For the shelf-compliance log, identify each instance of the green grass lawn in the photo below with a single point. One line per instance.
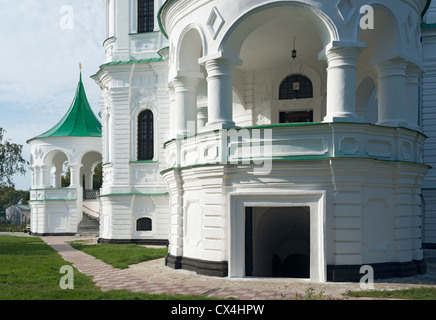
(120, 255)
(423, 293)
(30, 270)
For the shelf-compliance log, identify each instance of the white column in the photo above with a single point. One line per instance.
(88, 179)
(201, 116)
(55, 179)
(220, 92)
(392, 92)
(185, 100)
(44, 177)
(412, 109)
(170, 90)
(75, 175)
(32, 177)
(341, 83)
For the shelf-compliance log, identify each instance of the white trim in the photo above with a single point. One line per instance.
(315, 199)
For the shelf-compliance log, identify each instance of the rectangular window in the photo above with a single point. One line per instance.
(145, 135)
(145, 16)
(296, 116)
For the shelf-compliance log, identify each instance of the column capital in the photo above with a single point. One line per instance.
(341, 52)
(414, 72)
(220, 56)
(391, 67)
(186, 81)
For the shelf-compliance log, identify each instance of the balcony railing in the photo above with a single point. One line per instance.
(296, 141)
(90, 194)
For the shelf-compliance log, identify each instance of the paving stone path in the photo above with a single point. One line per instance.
(109, 278)
(154, 278)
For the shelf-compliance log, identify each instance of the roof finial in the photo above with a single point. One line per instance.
(80, 66)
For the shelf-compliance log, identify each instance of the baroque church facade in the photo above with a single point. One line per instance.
(257, 138)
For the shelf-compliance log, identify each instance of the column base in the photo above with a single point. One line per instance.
(218, 126)
(393, 123)
(343, 118)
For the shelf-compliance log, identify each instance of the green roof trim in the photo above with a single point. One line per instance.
(132, 61)
(427, 5)
(79, 121)
(159, 19)
(115, 63)
(427, 25)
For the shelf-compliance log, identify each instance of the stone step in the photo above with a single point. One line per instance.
(88, 226)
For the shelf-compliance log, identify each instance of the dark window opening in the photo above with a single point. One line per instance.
(143, 224)
(145, 135)
(296, 87)
(296, 116)
(145, 16)
(277, 242)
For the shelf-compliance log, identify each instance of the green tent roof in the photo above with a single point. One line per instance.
(79, 121)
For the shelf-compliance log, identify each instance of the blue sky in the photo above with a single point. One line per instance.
(41, 45)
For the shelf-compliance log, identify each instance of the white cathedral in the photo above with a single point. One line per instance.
(261, 138)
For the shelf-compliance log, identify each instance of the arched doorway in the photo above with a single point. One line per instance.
(90, 161)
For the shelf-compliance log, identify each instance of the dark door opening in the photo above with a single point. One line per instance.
(277, 242)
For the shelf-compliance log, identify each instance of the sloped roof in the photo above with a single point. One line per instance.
(79, 121)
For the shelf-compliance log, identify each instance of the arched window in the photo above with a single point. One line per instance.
(145, 16)
(143, 224)
(145, 135)
(296, 86)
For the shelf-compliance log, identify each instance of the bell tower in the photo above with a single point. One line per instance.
(134, 101)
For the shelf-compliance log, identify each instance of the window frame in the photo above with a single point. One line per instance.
(145, 153)
(149, 222)
(304, 91)
(146, 17)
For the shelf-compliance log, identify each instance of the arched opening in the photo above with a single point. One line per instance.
(189, 83)
(366, 101)
(191, 49)
(382, 44)
(55, 161)
(296, 86)
(91, 174)
(265, 57)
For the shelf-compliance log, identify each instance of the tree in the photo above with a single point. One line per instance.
(97, 179)
(10, 196)
(11, 161)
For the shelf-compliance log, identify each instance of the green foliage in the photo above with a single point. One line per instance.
(121, 255)
(10, 196)
(11, 160)
(11, 227)
(309, 294)
(421, 293)
(97, 179)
